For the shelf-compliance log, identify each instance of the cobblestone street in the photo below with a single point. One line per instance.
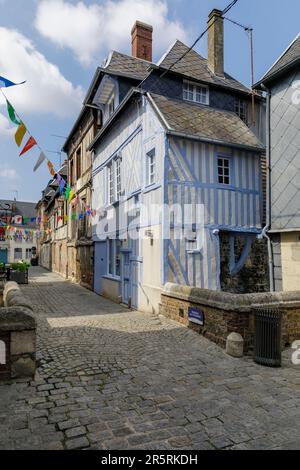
(109, 378)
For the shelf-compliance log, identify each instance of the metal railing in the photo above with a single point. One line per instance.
(267, 336)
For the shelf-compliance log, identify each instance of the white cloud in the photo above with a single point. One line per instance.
(46, 90)
(5, 127)
(90, 30)
(8, 173)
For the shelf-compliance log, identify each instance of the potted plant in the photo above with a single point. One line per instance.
(19, 272)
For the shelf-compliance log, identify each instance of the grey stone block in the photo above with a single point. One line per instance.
(235, 345)
(23, 342)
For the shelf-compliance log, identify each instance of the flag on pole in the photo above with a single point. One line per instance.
(40, 160)
(12, 114)
(30, 143)
(19, 136)
(5, 83)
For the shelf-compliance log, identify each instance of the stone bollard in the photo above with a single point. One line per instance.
(235, 345)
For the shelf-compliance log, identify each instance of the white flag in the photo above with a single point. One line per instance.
(40, 160)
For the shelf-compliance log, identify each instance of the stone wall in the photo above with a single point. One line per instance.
(226, 313)
(254, 276)
(17, 335)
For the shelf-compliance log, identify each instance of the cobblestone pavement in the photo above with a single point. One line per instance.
(109, 378)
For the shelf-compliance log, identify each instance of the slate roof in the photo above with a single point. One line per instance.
(128, 66)
(25, 209)
(204, 122)
(194, 66)
(290, 57)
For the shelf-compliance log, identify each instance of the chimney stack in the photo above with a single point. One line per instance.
(141, 39)
(216, 42)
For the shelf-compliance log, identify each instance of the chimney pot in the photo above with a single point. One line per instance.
(141, 40)
(216, 42)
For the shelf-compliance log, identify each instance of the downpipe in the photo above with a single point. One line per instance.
(264, 233)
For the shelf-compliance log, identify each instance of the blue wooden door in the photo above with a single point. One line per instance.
(100, 265)
(134, 265)
(126, 278)
(3, 256)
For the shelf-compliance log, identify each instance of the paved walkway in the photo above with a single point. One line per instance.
(110, 378)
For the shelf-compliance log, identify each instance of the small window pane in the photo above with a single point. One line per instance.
(224, 171)
(151, 167)
(195, 93)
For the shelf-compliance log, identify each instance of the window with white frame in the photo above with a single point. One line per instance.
(224, 170)
(114, 258)
(151, 167)
(110, 177)
(114, 181)
(240, 108)
(28, 253)
(118, 178)
(196, 93)
(18, 253)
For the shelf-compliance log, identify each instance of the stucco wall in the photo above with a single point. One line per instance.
(290, 258)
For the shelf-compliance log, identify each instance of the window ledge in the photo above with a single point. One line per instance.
(112, 278)
(151, 187)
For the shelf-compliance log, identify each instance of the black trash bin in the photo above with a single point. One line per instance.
(267, 336)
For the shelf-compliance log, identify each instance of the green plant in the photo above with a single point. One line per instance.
(2, 266)
(21, 266)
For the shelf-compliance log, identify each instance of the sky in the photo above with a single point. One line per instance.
(56, 45)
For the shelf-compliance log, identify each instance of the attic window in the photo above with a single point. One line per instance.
(196, 93)
(240, 108)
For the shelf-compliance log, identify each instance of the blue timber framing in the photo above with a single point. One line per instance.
(191, 176)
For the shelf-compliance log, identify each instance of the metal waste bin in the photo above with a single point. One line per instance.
(267, 336)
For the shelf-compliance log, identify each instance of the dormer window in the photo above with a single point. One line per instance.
(111, 105)
(195, 93)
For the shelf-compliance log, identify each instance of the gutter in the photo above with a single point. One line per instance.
(266, 229)
(215, 141)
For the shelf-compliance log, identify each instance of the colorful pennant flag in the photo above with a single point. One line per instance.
(67, 193)
(5, 83)
(21, 131)
(62, 186)
(71, 195)
(40, 160)
(12, 114)
(51, 168)
(30, 143)
(73, 215)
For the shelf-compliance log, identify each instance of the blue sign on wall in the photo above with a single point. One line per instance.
(196, 316)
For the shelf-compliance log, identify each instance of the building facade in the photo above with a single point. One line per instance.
(52, 215)
(18, 242)
(281, 83)
(80, 250)
(187, 139)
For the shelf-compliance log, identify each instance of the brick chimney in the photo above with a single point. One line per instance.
(141, 39)
(216, 42)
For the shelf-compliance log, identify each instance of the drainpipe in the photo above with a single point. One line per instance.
(268, 208)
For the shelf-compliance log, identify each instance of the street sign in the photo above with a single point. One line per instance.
(196, 316)
(4, 356)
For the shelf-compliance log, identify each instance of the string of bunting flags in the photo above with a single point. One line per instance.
(30, 143)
